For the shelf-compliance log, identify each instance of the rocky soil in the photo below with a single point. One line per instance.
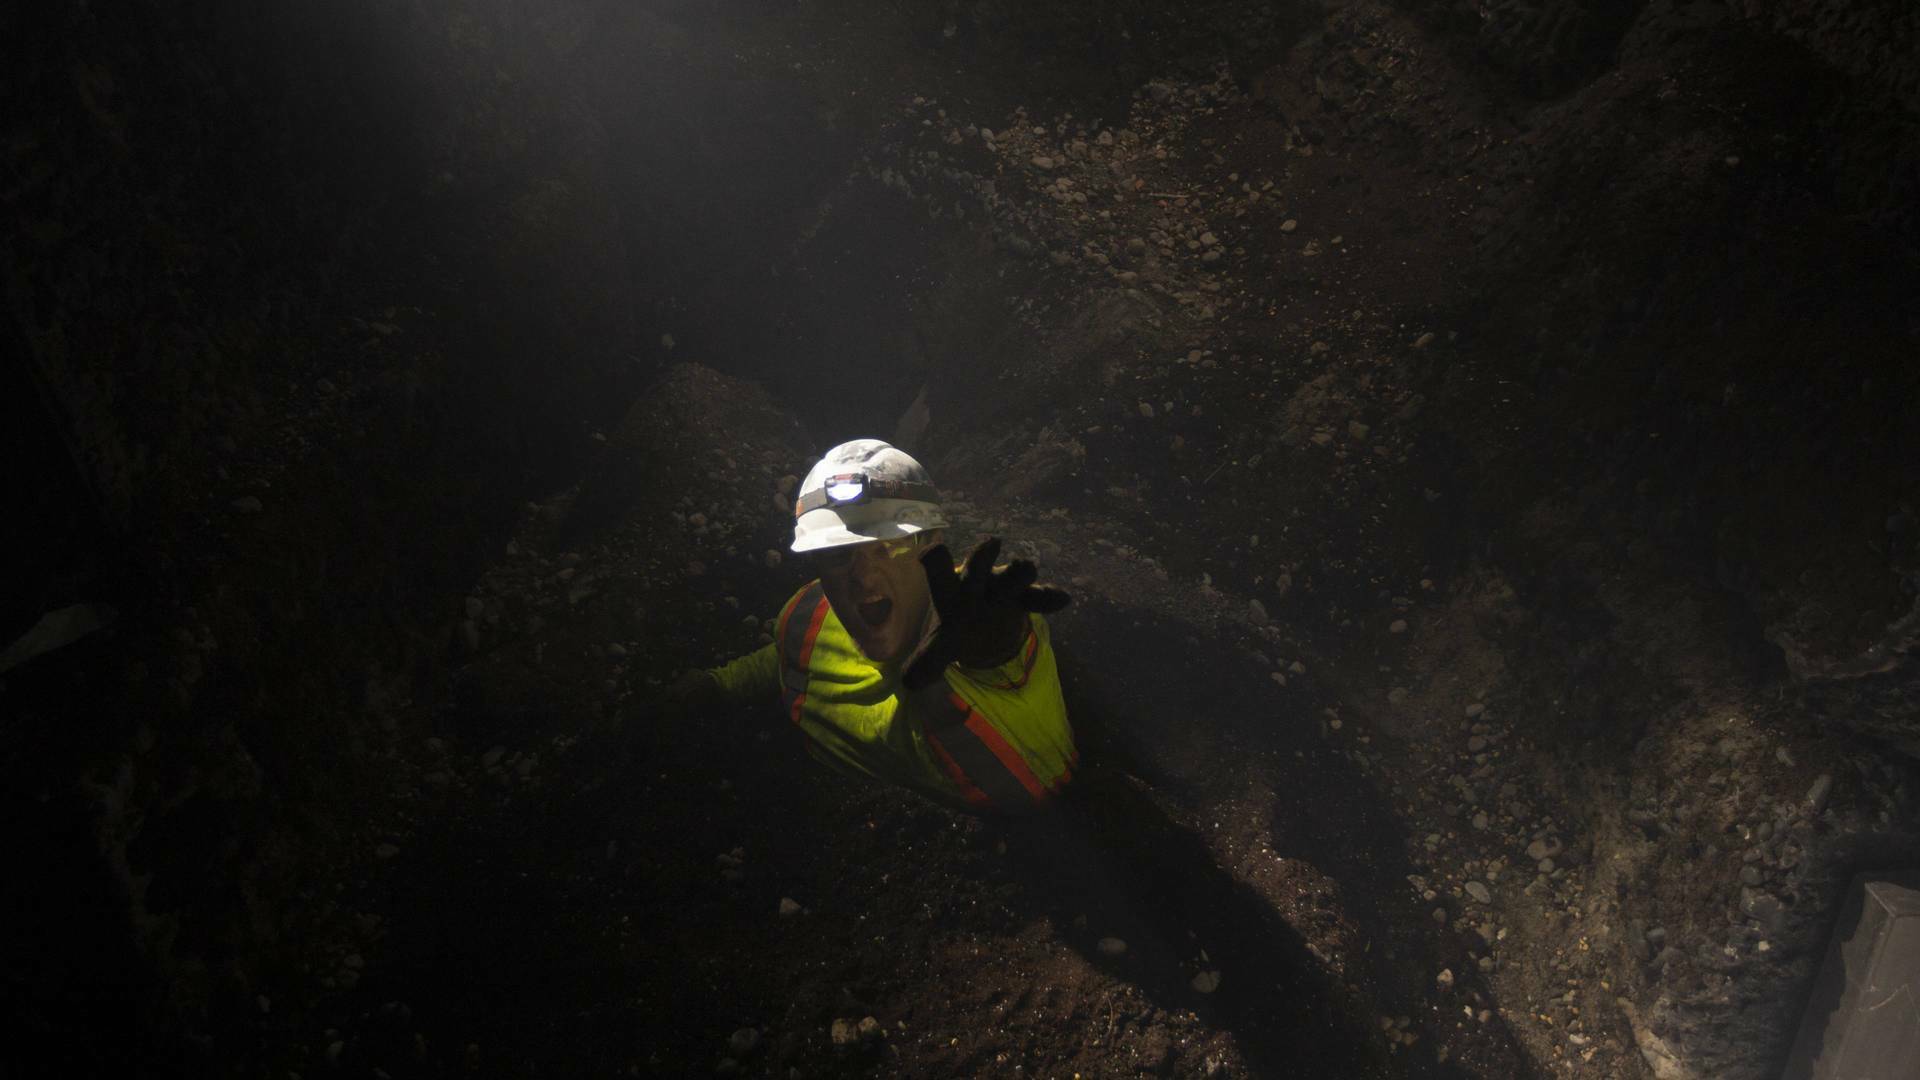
(1475, 436)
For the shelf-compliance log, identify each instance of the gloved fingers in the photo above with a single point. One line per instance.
(980, 567)
(1008, 580)
(941, 582)
(1044, 599)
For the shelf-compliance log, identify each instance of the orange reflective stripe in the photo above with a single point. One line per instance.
(976, 757)
(806, 652)
(976, 772)
(973, 795)
(796, 644)
(1010, 758)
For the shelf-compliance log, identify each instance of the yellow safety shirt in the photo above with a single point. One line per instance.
(984, 739)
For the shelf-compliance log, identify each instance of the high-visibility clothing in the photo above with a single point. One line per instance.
(990, 740)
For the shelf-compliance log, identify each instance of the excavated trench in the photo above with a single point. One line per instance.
(1477, 439)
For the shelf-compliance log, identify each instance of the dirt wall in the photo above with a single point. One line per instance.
(304, 297)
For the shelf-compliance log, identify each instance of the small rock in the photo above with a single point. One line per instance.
(1750, 875)
(743, 1042)
(1474, 711)
(1042, 162)
(771, 557)
(247, 504)
(1289, 225)
(1657, 936)
(1480, 820)
(1257, 612)
(1397, 695)
(1479, 892)
(869, 1029)
(1112, 946)
(1819, 793)
(844, 1032)
(789, 906)
(492, 757)
(1423, 340)
(1544, 848)
(1762, 908)
(1207, 981)
(1357, 430)
(1444, 980)
(1440, 915)
(1146, 410)
(1397, 626)
(1476, 744)
(385, 851)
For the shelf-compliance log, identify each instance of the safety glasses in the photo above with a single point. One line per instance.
(839, 560)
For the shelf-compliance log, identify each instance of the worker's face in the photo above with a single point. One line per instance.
(879, 592)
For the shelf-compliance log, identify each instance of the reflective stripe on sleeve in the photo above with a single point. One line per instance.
(799, 629)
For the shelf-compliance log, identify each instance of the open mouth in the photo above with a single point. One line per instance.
(875, 612)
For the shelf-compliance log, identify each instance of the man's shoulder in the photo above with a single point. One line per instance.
(804, 601)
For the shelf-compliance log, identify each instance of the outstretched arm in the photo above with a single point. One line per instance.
(753, 677)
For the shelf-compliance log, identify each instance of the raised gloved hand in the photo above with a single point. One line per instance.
(983, 611)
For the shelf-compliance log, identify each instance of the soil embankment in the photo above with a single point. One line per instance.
(1477, 440)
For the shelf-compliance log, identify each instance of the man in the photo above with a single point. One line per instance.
(897, 668)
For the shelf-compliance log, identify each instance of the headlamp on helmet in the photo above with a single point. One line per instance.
(846, 489)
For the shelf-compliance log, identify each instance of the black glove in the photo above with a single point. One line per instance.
(983, 611)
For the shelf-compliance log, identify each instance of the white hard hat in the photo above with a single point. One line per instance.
(861, 491)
